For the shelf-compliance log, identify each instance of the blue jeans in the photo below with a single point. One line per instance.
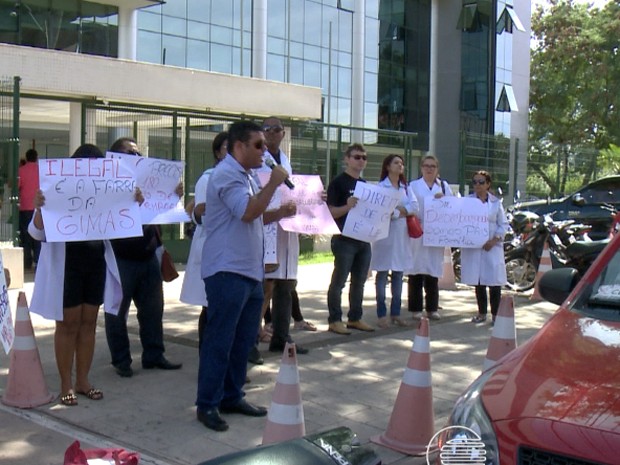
(350, 257)
(141, 282)
(235, 303)
(397, 288)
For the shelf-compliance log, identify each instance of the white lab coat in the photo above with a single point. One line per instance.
(394, 252)
(47, 296)
(287, 248)
(193, 287)
(487, 268)
(426, 260)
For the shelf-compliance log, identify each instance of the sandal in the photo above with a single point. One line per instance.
(264, 336)
(383, 322)
(479, 319)
(304, 325)
(69, 399)
(399, 321)
(92, 394)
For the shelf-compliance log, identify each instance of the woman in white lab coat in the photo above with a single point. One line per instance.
(486, 266)
(393, 252)
(426, 266)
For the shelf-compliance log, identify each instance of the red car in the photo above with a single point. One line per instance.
(555, 399)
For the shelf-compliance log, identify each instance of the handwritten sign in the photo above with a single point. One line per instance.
(369, 220)
(313, 216)
(88, 199)
(270, 231)
(157, 179)
(7, 330)
(455, 222)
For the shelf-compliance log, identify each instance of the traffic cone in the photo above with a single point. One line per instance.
(447, 282)
(504, 335)
(285, 419)
(26, 387)
(544, 266)
(411, 426)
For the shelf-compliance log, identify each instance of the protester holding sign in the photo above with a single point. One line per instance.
(482, 267)
(141, 282)
(393, 252)
(427, 262)
(351, 256)
(72, 280)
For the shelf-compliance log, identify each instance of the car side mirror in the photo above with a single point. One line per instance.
(579, 200)
(555, 285)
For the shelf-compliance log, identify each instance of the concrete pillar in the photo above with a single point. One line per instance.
(75, 126)
(432, 125)
(259, 39)
(127, 33)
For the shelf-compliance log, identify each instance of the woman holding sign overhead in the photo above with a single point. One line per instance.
(486, 266)
(72, 280)
(427, 262)
(392, 253)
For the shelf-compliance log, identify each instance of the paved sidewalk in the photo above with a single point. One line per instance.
(345, 381)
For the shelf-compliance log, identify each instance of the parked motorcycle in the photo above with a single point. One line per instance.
(565, 249)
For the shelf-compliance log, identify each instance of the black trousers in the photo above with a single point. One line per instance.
(495, 295)
(430, 284)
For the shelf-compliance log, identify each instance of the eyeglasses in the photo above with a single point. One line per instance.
(480, 182)
(430, 167)
(259, 145)
(359, 157)
(276, 128)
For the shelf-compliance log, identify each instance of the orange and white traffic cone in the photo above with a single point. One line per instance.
(285, 419)
(447, 282)
(544, 266)
(504, 335)
(411, 426)
(26, 387)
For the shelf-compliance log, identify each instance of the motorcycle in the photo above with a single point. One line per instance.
(565, 249)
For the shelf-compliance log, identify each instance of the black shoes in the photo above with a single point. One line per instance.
(162, 364)
(211, 419)
(245, 408)
(255, 357)
(275, 347)
(124, 371)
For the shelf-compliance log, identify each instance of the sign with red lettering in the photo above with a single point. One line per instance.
(88, 199)
(369, 220)
(455, 222)
(157, 179)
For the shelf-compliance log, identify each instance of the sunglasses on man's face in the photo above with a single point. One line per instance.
(480, 182)
(275, 128)
(359, 157)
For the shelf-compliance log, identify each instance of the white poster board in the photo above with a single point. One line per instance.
(157, 179)
(313, 216)
(369, 220)
(270, 231)
(7, 330)
(88, 199)
(455, 222)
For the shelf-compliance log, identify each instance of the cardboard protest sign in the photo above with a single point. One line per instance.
(7, 329)
(369, 220)
(455, 222)
(157, 179)
(313, 216)
(88, 199)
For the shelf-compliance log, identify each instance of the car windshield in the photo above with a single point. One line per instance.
(602, 298)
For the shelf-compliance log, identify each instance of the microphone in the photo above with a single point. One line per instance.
(272, 164)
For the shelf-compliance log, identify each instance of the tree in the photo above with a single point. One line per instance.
(574, 91)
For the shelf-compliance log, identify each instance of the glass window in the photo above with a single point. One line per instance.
(221, 35)
(149, 21)
(297, 20)
(275, 45)
(174, 26)
(175, 8)
(371, 83)
(196, 30)
(371, 46)
(174, 49)
(276, 18)
(222, 12)
(312, 30)
(275, 67)
(199, 10)
(221, 58)
(297, 49)
(312, 53)
(197, 54)
(297, 71)
(149, 47)
(312, 73)
(344, 82)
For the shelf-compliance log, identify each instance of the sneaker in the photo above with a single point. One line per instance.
(416, 315)
(338, 327)
(359, 324)
(433, 315)
(383, 322)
